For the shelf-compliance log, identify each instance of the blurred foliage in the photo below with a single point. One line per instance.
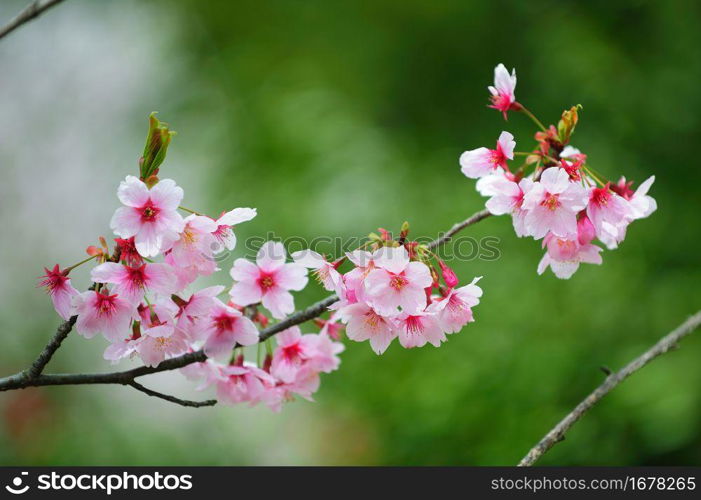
(334, 118)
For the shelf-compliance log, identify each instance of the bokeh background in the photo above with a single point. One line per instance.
(334, 118)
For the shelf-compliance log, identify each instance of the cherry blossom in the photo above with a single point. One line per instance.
(58, 286)
(269, 280)
(224, 327)
(553, 203)
(640, 203)
(131, 283)
(128, 252)
(191, 311)
(607, 212)
(305, 384)
(194, 249)
(397, 282)
(364, 323)
(149, 215)
(102, 312)
(454, 310)
(563, 256)
(120, 349)
(483, 161)
(245, 383)
(224, 233)
(503, 96)
(418, 328)
(324, 270)
(506, 197)
(293, 351)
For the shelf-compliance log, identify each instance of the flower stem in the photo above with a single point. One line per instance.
(590, 172)
(533, 117)
(81, 263)
(185, 209)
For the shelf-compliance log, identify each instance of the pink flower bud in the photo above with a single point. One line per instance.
(585, 230)
(449, 276)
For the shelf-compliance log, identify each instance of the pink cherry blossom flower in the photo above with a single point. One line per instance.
(417, 328)
(207, 372)
(585, 229)
(305, 384)
(607, 211)
(123, 348)
(224, 327)
(224, 233)
(150, 215)
(324, 270)
(553, 203)
(454, 310)
(563, 256)
(131, 283)
(292, 352)
(483, 161)
(353, 287)
(506, 197)
(641, 204)
(571, 153)
(154, 348)
(194, 249)
(268, 280)
(503, 96)
(397, 283)
(364, 323)
(331, 327)
(128, 252)
(58, 286)
(102, 312)
(325, 353)
(243, 384)
(158, 319)
(193, 310)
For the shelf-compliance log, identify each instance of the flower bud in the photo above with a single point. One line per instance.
(404, 232)
(385, 235)
(157, 142)
(585, 230)
(567, 123)
(449, 276)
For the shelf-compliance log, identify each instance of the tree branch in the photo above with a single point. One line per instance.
(47, 353)
(172, 399)
(557, 434)
(33, 377)
(30, 12)
(457, 227)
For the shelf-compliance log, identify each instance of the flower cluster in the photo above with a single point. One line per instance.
(562, 201)
(149, 309)
(145, 302)
(388, 294)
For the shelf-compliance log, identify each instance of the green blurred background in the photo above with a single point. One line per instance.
(334, 118)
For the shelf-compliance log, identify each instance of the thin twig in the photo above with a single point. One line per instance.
(445, 237)
(557, 434)
(30, 12)
(47, 353)
(172, 399)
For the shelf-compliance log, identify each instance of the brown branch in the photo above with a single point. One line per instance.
(459, 226)
(557, 434)
(47, 353)
(30, 12)
(33, 377)
(172, 399)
